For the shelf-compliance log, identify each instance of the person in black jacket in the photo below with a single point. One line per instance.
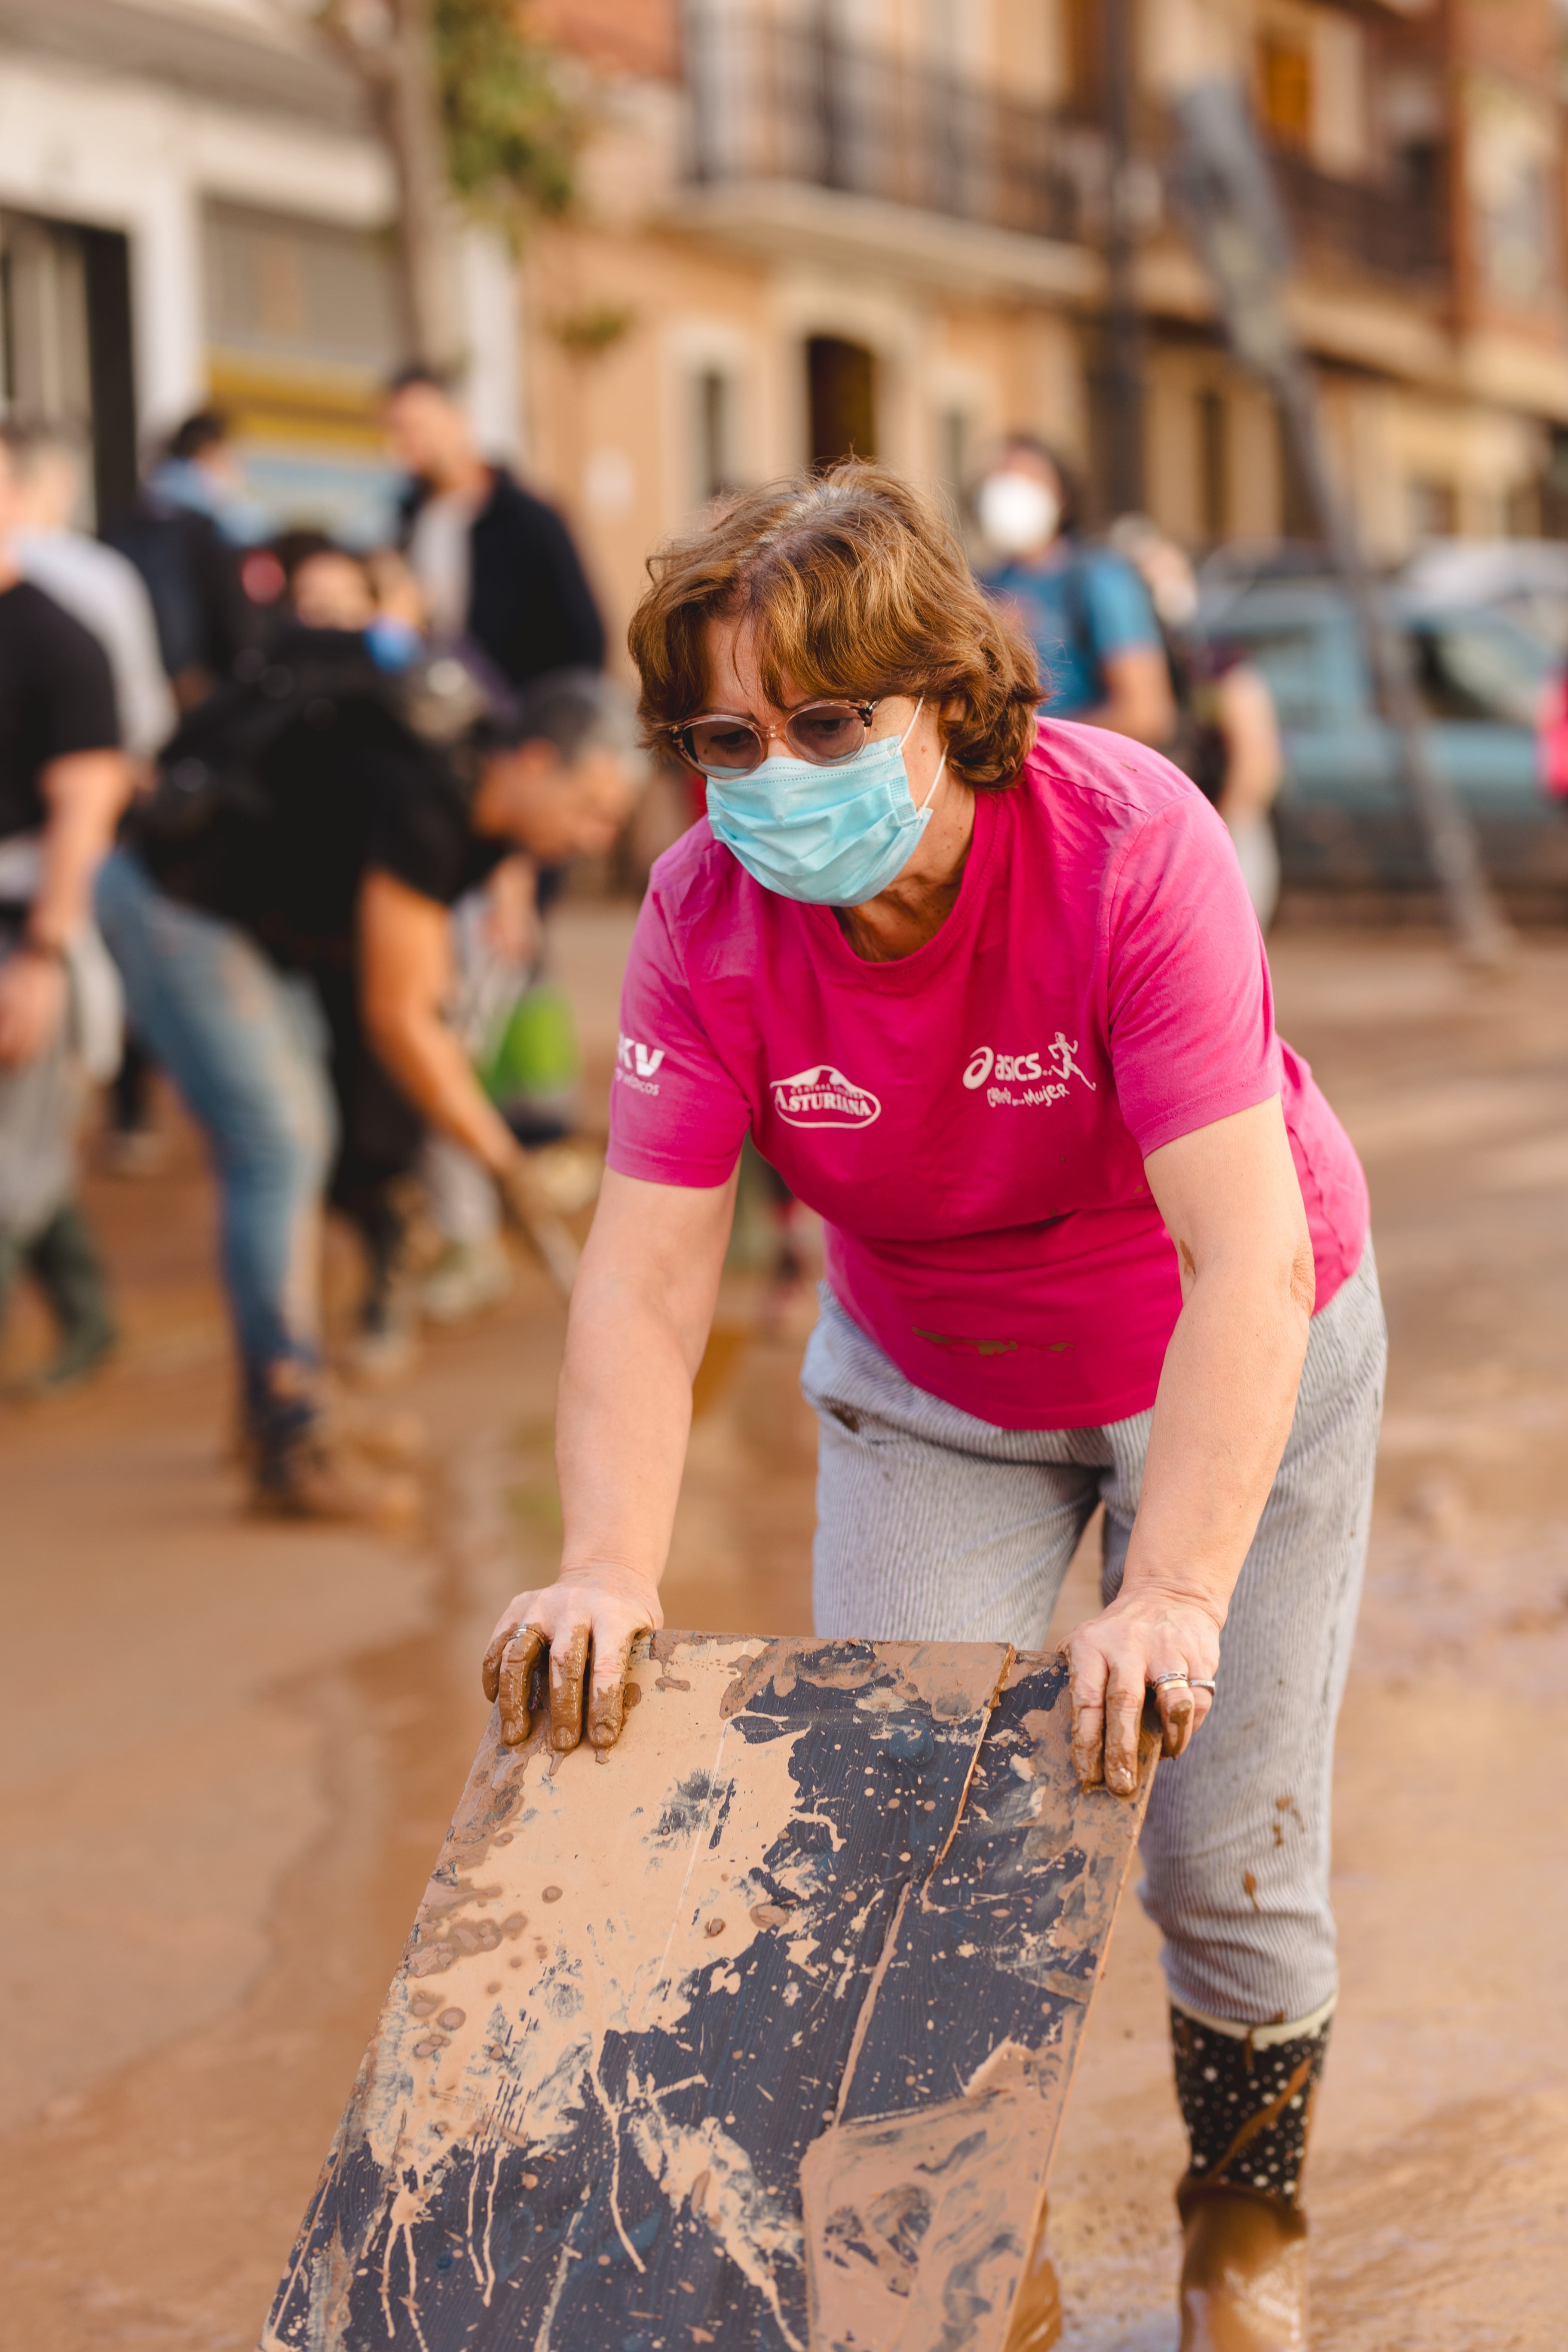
(494, 563)
(185, 535)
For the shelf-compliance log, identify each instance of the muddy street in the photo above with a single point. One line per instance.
(229, 1749)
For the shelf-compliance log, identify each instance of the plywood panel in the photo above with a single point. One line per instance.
(755, 2031)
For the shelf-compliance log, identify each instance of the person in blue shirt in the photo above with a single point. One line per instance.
(1084, 606)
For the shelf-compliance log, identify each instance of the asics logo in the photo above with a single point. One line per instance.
(1052, 1065)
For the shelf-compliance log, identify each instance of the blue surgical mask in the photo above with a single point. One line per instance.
(831, 836)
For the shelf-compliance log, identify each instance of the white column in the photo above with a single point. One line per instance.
(491, 334)
(167, 301)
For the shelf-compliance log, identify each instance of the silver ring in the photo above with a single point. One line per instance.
(1196, 1682)
(1180, 1675)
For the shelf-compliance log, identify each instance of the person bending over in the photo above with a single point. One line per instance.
(336, 839)
(989, 994)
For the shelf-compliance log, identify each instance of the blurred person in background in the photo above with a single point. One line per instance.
(495, 949)
(517, 1027)
(190, 533)
(1226, 735)
(332, 591)
(63, 784)
(186, 535)
(309, 836)
(100, 585)
(1082, 606)
(496, 568)
(109, 596)
(493, 562)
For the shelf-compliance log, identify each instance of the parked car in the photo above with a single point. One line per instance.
(1489, 683)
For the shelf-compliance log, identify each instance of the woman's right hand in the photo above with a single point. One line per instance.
(587, 1619)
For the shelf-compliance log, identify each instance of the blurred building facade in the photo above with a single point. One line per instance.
(818, 223)
(807, 225)
(192, 209)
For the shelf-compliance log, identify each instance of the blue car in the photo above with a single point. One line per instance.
(1486, 680)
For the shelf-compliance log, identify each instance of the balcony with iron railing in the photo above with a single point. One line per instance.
(1395, 228)
(797, 104)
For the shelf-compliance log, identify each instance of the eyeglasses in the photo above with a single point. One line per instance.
(720, 744)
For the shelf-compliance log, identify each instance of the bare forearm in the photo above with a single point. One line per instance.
(1221, 1415)
(1253, 761)
(1137, 700)
(84, 800)
(1144, 719)
(622, 1425)
(641, 1308)
(430, 1066)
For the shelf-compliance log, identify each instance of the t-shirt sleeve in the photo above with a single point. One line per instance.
(1191, 1009)
(418, 829)
(1120, 616)
(77, 686)
(677, 1114)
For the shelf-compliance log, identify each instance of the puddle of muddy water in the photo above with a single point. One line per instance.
(154, 2207)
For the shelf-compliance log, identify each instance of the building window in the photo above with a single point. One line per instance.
(1434, 508)
(715, 433)
(65, 342)
(298, 289)
(953, 459)
(1298, 516)
(841, 392)
(1213, 463)
(1510, 167)
(1285, 88)
(1083, 56)
(301, 331)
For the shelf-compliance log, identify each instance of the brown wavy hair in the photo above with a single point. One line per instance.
(854, 583)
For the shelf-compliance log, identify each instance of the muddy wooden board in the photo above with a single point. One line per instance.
(755, 2032)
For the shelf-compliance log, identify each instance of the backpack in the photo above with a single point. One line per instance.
(202, 832)
(1198, 745)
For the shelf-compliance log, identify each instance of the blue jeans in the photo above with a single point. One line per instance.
(247, 1048)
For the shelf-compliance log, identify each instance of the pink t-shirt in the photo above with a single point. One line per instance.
(972, 1121)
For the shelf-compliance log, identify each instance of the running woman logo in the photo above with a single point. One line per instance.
(824, 1097)
(1044, 1076)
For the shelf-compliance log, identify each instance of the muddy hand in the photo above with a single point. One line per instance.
(1113, 1660)
(588, 1620)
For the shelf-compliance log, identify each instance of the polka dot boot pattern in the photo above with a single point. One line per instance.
(1247, 2109)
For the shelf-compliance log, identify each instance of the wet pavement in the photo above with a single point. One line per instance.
(227, 1749)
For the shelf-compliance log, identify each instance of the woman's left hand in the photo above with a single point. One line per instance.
(1114, 1658)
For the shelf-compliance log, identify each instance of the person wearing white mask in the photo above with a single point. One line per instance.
(1083, 607)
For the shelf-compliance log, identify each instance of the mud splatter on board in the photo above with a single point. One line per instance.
(753, 2030)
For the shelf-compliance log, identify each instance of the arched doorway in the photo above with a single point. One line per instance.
(841, 390)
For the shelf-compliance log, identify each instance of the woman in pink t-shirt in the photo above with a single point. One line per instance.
(988, 992)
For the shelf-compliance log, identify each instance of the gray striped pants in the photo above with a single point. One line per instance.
(933, 1526)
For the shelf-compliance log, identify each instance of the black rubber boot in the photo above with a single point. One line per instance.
(1247, 2107)
(63, 1260)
